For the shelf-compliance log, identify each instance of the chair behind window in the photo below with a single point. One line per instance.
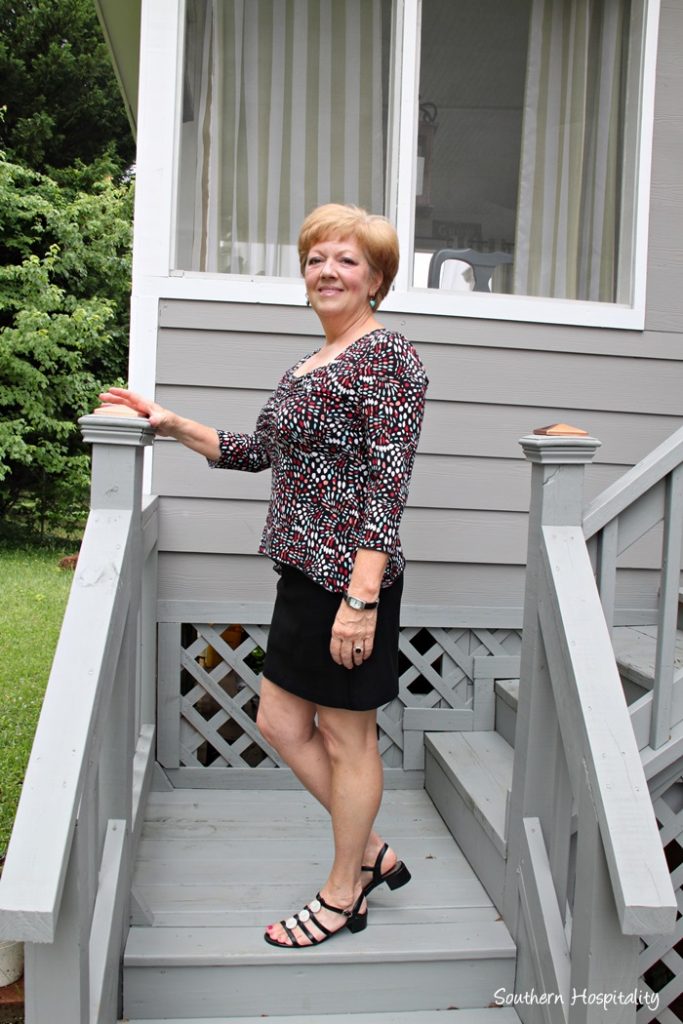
(483, 265)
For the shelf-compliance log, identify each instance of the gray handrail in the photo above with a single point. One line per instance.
(633, 484)
(33, 877)
(596, 730)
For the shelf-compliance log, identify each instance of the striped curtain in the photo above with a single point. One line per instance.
(569, 215)
(290, 116)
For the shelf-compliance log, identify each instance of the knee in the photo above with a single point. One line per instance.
(282, 730)
(343, 743)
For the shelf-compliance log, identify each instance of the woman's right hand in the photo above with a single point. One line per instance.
(120, 400)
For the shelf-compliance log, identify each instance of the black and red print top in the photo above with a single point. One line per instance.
(341, 442)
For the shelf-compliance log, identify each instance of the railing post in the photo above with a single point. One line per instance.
(117, 465)
(117, 455)
(559, 455)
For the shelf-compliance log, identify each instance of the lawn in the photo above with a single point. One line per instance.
(34, 591)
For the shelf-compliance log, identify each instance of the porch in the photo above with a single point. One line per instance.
(530, 790)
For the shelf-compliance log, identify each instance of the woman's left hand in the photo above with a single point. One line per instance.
(353, 635)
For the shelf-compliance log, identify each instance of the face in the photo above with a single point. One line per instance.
(339, 280)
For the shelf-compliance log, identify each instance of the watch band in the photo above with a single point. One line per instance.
(360, 606)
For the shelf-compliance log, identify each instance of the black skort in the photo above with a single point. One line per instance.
(298, 658)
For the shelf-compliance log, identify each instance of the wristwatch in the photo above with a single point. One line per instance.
(360, 606)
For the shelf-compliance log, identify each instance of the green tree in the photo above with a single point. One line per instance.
(56, 81)
(64, 286)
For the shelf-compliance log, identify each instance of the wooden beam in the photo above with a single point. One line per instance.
(549, 949)
(107, 921)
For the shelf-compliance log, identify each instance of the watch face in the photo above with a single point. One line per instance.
(355, 603)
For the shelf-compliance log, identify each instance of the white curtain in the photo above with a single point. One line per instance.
(571, 188)
(288, 115)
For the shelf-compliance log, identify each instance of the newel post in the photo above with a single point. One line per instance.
(117, 456)
(118, 443)
(558, 456)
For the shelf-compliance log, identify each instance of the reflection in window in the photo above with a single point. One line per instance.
(528, 143)
(284, 108)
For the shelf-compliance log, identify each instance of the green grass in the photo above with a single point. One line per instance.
(34, 595)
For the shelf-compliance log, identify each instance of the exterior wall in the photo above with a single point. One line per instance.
(465, 529)
(491, 382)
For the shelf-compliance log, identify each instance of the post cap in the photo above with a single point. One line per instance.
(561, 430)
(116, 430)
(561, 444)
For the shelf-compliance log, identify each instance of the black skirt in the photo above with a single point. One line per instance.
(298, 657)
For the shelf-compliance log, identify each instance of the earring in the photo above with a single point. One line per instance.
(308, 301)
(373, 302)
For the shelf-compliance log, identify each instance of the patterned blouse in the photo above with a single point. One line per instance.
(341, 442)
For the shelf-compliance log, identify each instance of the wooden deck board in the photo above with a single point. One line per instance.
(215, 867)
(480, 766)
(234, 858)
(635, 648)
(494, 1015)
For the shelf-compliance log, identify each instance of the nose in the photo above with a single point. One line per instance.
(328, 268)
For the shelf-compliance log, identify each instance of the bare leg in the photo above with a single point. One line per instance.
(339, 763)
(356, 792)
(288, 723)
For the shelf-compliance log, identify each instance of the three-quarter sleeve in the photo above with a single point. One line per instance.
(248, 452)
(393, 386)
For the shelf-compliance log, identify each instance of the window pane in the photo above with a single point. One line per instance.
(284, 108)
(526, 153)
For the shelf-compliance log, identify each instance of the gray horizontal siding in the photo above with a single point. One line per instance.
(439, 481)
(470, 489)
(248, 321)
(457, 372)
(451, 428)
(428, 534)
(197, 587)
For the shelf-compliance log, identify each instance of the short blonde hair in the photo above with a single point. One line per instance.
(374, 234)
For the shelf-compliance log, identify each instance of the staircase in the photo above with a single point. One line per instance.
(557, 842)
(468, 775)
(214, 867)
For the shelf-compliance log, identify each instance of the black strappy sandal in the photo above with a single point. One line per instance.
(355, 922)
(395, 878)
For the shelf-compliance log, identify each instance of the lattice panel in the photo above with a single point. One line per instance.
(661, 959)
(219, 687)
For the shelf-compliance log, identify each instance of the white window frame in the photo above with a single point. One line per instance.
(402, 134)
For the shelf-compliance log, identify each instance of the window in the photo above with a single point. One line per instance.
(504, 139)
(284, 109)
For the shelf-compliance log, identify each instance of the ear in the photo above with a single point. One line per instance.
(375, 282)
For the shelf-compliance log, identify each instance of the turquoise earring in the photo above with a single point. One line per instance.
(373, 302)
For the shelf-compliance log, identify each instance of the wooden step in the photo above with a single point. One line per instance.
(635, 650)
(214, 867)
(494, 1015)
(468, 776)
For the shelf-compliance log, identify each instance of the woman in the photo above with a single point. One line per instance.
(340, 434)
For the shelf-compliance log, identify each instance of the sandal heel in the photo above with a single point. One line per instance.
(398, 878)
(357, 922)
